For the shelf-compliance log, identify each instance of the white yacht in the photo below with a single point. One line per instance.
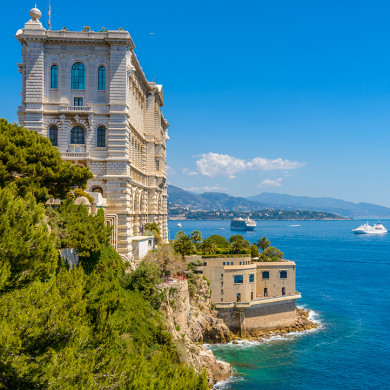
(179, 224)
(242, 224)
(368, 229)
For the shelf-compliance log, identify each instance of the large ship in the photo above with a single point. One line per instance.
(367, 229)
(242, 224)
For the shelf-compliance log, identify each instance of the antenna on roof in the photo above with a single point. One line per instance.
(49, 13)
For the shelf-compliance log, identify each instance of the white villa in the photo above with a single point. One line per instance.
(87, 92)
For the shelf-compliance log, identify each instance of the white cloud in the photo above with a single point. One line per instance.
(265, 164)
(170, 171)
(215, 188)
(186, 171)
(214, 164)
(271, 183)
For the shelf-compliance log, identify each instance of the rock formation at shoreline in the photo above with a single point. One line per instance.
(192, 322)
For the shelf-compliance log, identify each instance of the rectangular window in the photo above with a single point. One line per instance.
(54, 77)
(157, 165)
(221, 299)
(251, 295)
(224, 263)
(265, 274)
(222, 292)
(251, 278)
(78, 101)
(283, 274)
(266, 292)
(238, 279)
(231, 263)
(238, 297)
(221, 275)
(240, 262)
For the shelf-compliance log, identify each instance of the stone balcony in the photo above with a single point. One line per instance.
(75, 109)
(75, 155)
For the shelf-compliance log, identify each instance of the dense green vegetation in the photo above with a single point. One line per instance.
(91, 327)
(218, 246)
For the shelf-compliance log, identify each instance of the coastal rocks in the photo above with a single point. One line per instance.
(195, 322)
(303, 323)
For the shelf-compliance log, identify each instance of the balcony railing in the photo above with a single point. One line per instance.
(75, 155)
(76, 108)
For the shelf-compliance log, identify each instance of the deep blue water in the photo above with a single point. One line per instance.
(345, 279)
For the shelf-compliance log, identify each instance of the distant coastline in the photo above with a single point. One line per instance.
(176, 212)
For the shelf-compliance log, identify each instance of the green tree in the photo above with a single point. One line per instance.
(29, 160)
(220, 241)
(208, 246)
(254, 251)
(273, 253)
(183, 244)
(169, 262)
(154, 230)
(263, 243)
(238, 243)
(27, 248)
(196, 236)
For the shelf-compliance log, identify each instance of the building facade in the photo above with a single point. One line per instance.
(251, 295)
(87, 92)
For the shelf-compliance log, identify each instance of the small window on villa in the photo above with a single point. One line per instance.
(157, 165)
(78, 101)
(221, 299)
(221, 275)
(251, 295)
(231, 263)
(240, 262)
(54, 77)
(266, 292)
(77, 135)
(224, 263)
(283, 290)
(222, 292)
(102, 78)
(238, 279)
(283, 274)
(222, 283)
(205, 263)
(53, 135)
(265, 274)
(251, 278)
(238, 297)
(101, 137)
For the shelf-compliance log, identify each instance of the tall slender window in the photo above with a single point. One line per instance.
(53, 135)
(54, 77)
(102, 78)
(78, 76)
(78, 101)
(77, 135)
(101, 137)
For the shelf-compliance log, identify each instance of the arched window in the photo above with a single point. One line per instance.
(97, 189)
(78, 76)
(77, 135)
(54, 77)
(102, 78)
(53, 135)
(101, 137)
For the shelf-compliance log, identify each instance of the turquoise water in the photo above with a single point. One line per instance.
(345, 279)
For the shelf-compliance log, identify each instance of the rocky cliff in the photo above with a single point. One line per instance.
(192, 322)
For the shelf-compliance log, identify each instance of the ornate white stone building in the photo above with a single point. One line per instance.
(87, 92)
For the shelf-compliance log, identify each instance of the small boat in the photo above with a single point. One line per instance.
(242, 224)
(179, 224)
(368, 229)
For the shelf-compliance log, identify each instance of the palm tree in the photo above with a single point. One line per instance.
(263, 243)
(196, 236)
(209, 246)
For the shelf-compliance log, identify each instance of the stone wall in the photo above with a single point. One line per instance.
(263, 316)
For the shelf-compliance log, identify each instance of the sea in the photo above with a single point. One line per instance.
(344, 279)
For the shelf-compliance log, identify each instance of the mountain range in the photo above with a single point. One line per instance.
(267, 200)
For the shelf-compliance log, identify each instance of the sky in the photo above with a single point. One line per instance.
(286, 96)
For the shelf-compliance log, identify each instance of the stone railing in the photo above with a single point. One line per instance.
(75, 155)
(76, 108)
